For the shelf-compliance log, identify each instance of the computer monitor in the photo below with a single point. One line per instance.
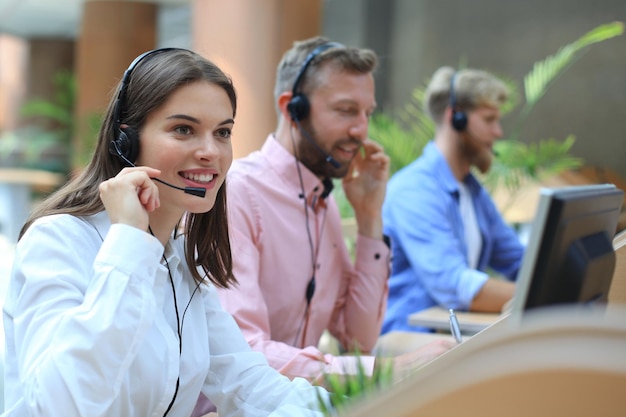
(570, 257)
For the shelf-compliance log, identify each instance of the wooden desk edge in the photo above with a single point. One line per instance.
(438, 318)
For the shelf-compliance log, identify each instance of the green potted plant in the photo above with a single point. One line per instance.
(45, 143)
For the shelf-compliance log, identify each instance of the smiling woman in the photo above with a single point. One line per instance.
(102, 260)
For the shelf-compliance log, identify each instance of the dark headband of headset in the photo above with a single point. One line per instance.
(121, 95)
(310, 57)
(459, 117)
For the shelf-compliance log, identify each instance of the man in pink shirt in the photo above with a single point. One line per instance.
(296, 277)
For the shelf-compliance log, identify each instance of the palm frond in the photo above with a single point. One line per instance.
(544, 72)
(518, 162)
(514, 96)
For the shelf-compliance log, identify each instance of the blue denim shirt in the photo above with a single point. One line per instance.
(429, 255)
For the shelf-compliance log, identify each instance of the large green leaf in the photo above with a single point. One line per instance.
(518, 161)
(544, 72)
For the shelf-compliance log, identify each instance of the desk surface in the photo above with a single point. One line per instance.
(561, 356)
(398, 342)
(439, 319)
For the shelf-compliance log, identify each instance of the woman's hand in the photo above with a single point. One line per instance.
(130, 196)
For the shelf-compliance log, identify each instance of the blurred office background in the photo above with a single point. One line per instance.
(94, 41)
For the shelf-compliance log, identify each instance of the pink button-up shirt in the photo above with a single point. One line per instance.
(273, 264)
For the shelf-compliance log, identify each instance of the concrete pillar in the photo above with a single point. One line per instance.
(13, 70)
(112, 34)
(247, 38)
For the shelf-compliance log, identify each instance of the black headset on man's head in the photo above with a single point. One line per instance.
(459, 117)
(299, 105)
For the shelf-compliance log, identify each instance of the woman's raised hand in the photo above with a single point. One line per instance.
(130, 196)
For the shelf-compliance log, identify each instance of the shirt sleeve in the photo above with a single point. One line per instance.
(72, 302)
(360, 310)
(508, 251)
(426, 227)
(248, 306)
(240, 381)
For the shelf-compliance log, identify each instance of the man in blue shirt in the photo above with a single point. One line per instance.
(445, 230)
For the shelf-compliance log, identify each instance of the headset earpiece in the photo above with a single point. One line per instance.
(459, 120)
(126, 146)
(299, 107)
(459, 117)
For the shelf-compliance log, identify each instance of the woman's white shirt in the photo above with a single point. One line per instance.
(90, 328)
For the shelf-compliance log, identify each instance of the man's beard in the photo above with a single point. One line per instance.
(478, 155)
(315, 159)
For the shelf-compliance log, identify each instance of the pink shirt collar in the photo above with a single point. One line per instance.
(286, 167)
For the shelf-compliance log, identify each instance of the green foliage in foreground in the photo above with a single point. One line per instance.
(345, 390)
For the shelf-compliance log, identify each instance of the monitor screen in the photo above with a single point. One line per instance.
(570, 256)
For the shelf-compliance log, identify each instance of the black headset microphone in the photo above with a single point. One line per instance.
(197, 191)
(327, 157)
(126, 146)
(299, 106)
